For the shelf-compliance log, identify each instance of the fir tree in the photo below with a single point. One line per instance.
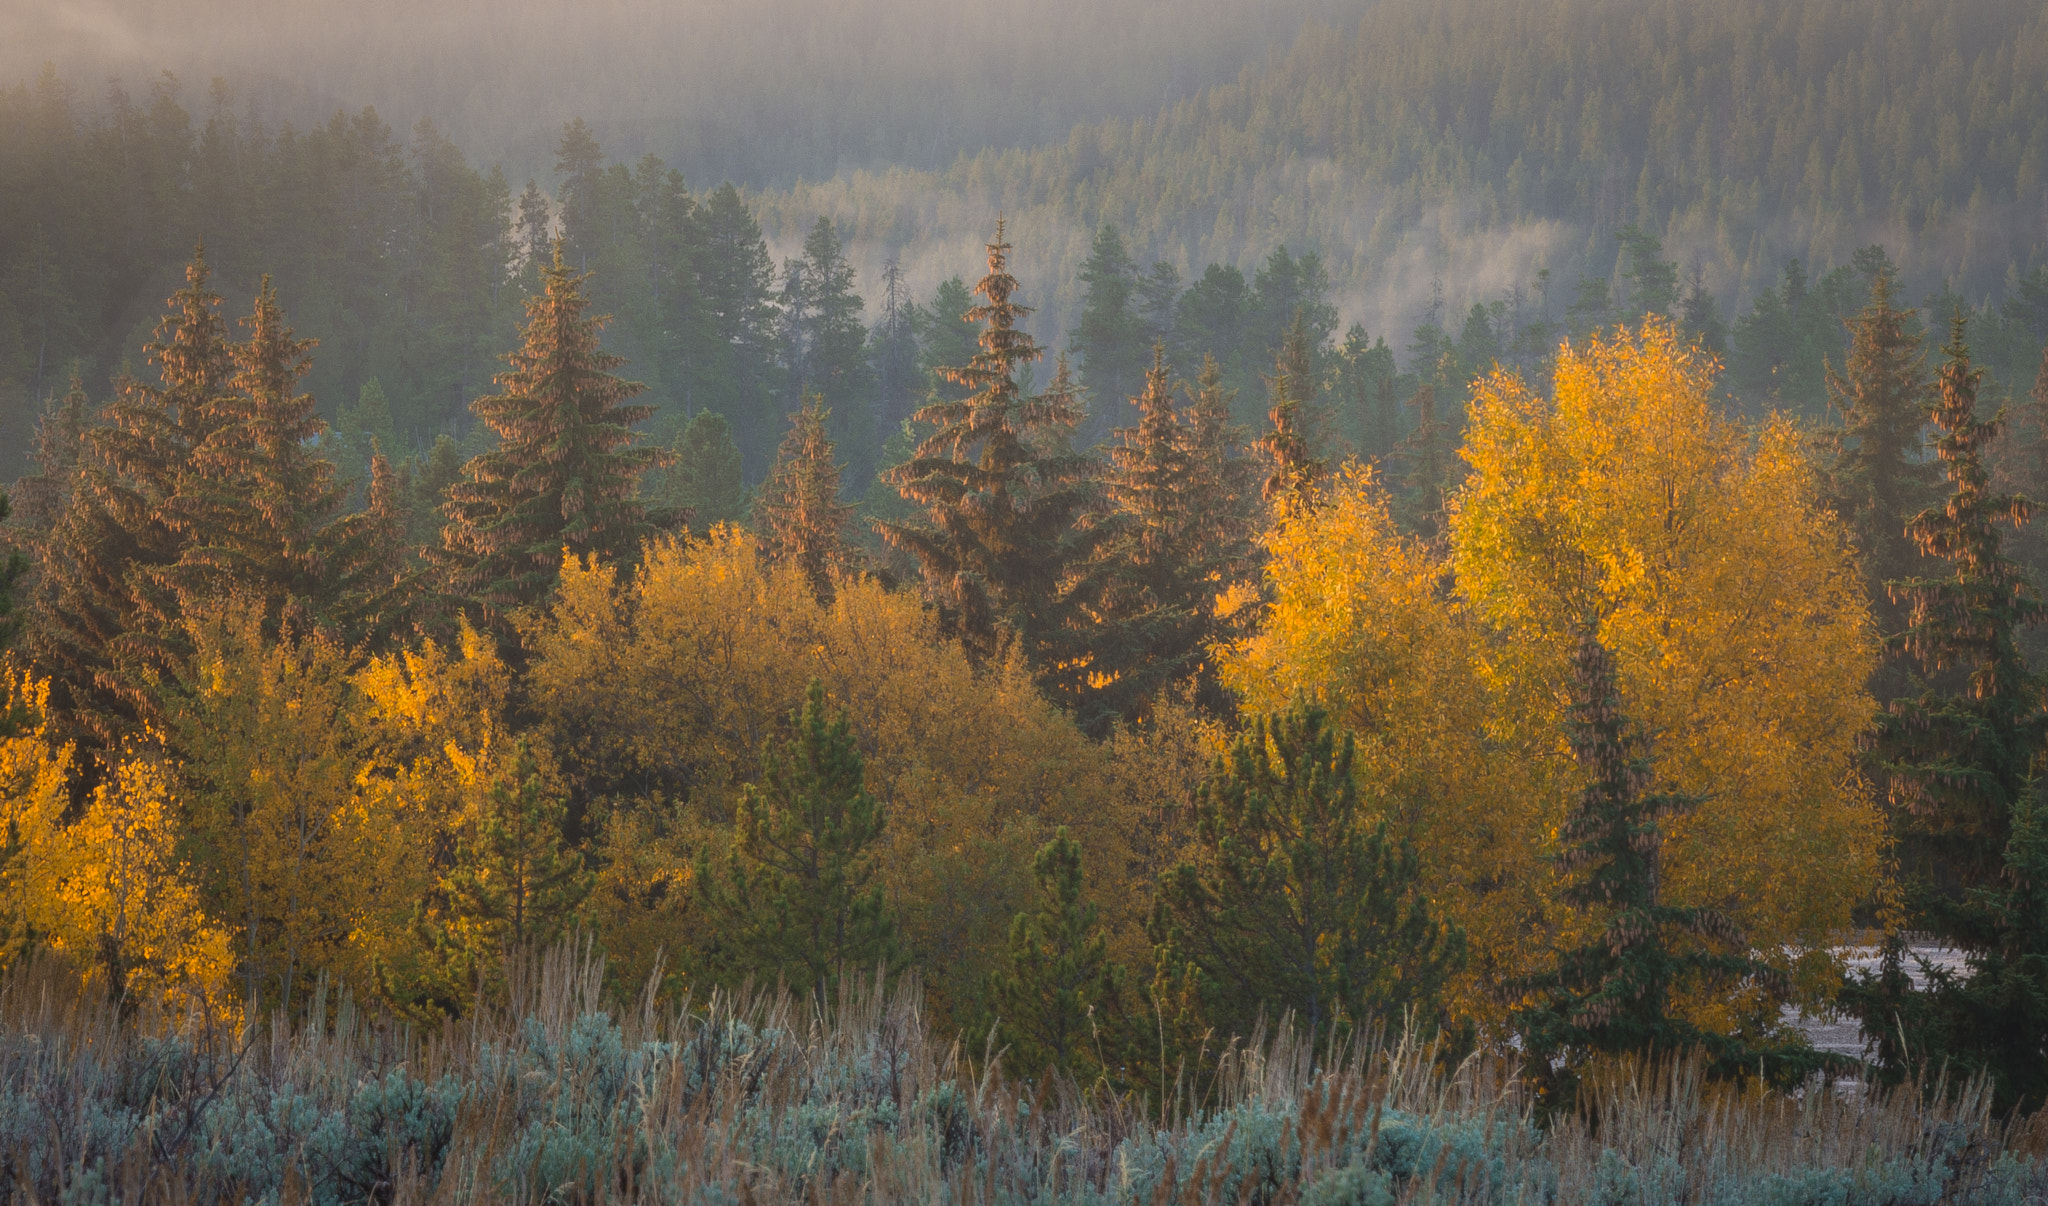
(1296, 472)
(96, 585)
(43, 496)
(1058, 996)
(799, 896)
(1110, 340)
(799, 515)
(1878, 478)
(1959, 760)
(426, 491)
(893, 350)
(1296, 900)
(1652, 281)
(733, 353)
(1000, 497)
(564, 474)
(516, 883)
(1612, 994)
(948, 338)
(703, 483)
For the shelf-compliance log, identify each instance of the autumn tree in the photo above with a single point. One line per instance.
(999, 495)
(1296, 899)
(1612, 993)
(799, 515)
(798, 895)
(1058, 995)
(1878, 478)
(564, 472)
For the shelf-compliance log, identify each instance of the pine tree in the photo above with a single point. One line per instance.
(564, 474)
(13, 567)
(798, 896)
(733, 355)
(1000, 497)
(1878, 478)
(1424, 460)
(1957, 757)
(1959, 760)
(799, 515)
(95, 587)
(1296, 472)
(1059, 997)
(831, 342)
(703, 482)
(1653, 282)
(1296, 900)
(948, 338)
(893, 350)
(1612, 994)
(1110, 339)
(516, 882)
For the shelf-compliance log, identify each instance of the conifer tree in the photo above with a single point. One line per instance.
(96, 585)
(1957, 757)
(1110, 338)
(516, 882)
(947, 338)
(563, 477)
(1612, 993)
(799, 516)
(13, 566)
(1960, 763)
(1224, 483)
(1424, 459)
(1000, 494)
(1059, 997)
(1296, 899)
(798, 896)
(703, 482)
(830, 349)
(733, 354)
(1653, 281)
(41, 497)
(1296, 472)
(1878, 478)
(893, 350)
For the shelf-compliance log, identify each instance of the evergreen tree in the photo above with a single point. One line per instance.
(1296, 472)
(1110, 339)
(426, 491)
(734, 350)
(948, 338)
(1699, 317)
(96, 586)
(1612, 993)
(799, 515)
(830, 344)
(799, 896)
(703, 481)
(1959, 760)
(1424, 459)
(1156, 297)
(1652, 281)
(1365, 389)
(1958, 755)
(1000, 497)
(1878, 478)
(1296, 900)
(1290, 291)
(563, 476)
(535, 227)
(1059, 997)
(516, 882)
(43, 495)
(1214, 318)
(12, 568)
(893, 351)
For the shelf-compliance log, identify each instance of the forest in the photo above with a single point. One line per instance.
(582, 692)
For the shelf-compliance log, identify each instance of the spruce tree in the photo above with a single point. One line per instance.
(1653, 281)
(1110, 339)
(1058, 996)
(799, 516)
(830, 348)
(13, 567)
(1960, 762)
(1612, 993)
(97, 588)
(703, 484)
(893, 351)
(41, 497)
(1000, 496)
(799, 896)
(1296, 472)
(733, 350)
(516, 883)
(1423, 461)
(1297, 900)
(563, 477)
(1878, 478)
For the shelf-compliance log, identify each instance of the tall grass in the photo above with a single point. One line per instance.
(560, 1096)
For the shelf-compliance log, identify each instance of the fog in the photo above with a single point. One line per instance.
(762, 92)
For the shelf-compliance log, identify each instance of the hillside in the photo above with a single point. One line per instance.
(1481, 142)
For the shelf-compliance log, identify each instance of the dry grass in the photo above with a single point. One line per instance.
(562, 1096)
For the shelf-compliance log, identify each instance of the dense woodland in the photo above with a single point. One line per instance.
(436, 572)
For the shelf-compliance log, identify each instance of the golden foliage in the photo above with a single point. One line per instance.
(1695, 551)
(661, 690)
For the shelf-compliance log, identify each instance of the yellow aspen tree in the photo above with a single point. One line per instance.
(1626, 506)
